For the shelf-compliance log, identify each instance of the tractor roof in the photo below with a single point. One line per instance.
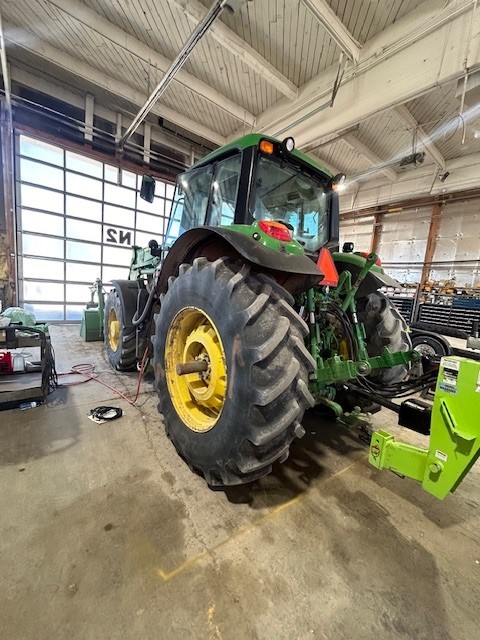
(252, 140)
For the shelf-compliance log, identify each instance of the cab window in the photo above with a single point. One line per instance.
(190, 202)
(224, 191)
(286, 193)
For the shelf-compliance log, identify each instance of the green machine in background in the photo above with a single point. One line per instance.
(143, 265)
(454, 433)
(91, 329)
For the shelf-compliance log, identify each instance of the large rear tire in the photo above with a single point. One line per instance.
(233, 421)
(384, 327)
(120, 334)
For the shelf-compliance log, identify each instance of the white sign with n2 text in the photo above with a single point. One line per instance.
(116, 236)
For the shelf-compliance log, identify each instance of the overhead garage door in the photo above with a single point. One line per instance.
(77, 219)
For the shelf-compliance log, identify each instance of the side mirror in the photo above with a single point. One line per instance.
(147, 190)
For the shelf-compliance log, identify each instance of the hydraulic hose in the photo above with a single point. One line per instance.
(136, 321)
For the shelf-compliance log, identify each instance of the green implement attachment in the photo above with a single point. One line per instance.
(91, 329)
(454, 433)
(143, 261)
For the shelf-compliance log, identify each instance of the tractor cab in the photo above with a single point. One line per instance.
(257, 179)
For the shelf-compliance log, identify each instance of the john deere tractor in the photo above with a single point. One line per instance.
(255, 315)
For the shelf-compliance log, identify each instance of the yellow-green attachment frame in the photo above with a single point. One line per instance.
(454, 443)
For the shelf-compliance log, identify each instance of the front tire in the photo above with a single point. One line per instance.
(233, 421)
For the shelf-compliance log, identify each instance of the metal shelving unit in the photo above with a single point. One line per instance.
(405, 300)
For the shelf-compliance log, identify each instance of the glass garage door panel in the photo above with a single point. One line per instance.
(77, 220)
(41, 174)
(39, 198)
(43, 223)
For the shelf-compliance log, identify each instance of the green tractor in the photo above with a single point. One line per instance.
(254, 314)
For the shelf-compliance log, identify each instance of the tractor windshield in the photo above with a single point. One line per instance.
(288, 194)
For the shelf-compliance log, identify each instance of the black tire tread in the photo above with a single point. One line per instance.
(384, 327)
(282, 362)
(125, 358)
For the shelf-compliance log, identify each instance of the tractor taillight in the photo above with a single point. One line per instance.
(327, 266)
(276, 230)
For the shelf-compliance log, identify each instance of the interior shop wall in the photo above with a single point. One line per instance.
(403, 237)
(402, 244)
(457, 251)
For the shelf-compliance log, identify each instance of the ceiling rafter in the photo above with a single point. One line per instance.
(335, 27)
(367, 88)
(367, 153)
(75, 67)
(194, 11)
(333, 170)
(139, 49)
(404, 114)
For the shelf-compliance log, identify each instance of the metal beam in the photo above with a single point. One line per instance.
(417, 184)
(147, 140)
(149, 56)
(205, 23)
(247, 54)
(335, 27)
(40, 82)
(399, 206)
(367, 153)
(74, 67)
(404, 114)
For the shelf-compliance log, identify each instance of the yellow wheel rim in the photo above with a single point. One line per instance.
(198, 398)
(113, 326)
(343, 350)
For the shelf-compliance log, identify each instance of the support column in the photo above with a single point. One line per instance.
(147, 141)
(377, 232)
(89, 107)
(118, 127)
(7, 210)
(437, 208)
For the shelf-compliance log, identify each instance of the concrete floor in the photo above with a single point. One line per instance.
(106, 534)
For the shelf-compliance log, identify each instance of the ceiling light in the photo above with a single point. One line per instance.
(413, 158)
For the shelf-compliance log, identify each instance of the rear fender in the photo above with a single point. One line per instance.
(374, 280)
(296, 273)
(128, 292)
